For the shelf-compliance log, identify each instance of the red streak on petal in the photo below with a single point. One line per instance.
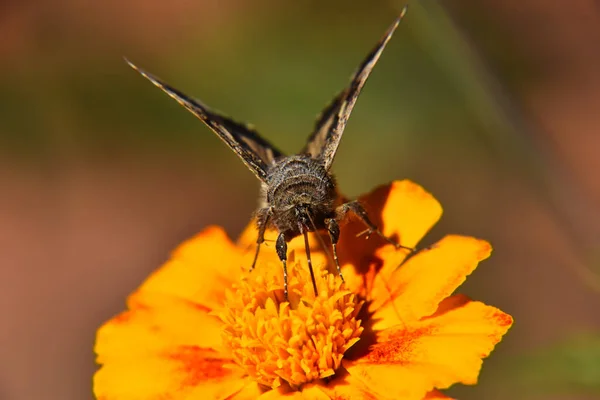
(122, 318)
(200, 307)
(199, 364)
(396, 348)
(503, 319)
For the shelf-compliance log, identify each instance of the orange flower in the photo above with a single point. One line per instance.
(202, 327)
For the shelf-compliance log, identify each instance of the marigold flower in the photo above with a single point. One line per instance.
(203, 327)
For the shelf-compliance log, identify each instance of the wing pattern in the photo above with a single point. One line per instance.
(322, 144)
(257, 153)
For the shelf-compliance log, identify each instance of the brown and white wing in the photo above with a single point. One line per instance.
(257, 153)
(322, 144)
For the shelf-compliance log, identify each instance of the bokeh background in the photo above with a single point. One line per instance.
(492, 106)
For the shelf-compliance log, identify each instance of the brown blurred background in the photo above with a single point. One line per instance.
(492, 106)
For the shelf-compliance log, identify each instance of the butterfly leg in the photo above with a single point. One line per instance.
(359, 211)
(262, 220)
(334, 234)
(281, 247)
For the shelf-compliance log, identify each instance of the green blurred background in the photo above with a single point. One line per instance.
(492, 106)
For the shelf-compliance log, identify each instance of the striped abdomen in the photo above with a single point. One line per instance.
(299, 191)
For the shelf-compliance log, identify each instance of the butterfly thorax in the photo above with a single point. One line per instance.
(301, 194)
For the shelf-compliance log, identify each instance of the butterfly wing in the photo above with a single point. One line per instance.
(322, 144)
(255, 152)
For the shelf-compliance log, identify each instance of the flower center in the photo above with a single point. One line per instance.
(299, 341)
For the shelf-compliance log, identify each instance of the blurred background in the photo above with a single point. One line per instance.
(491, 106)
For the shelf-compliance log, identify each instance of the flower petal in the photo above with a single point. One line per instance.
(390, 382)
(416, 288)
(281, 393)
(346, 387)
(247, 239)
(437, 395)
(251, 391)
(403, 211)
(184, 372)
(200, 269)
(307, 393)
(435, 352)
(156, 322)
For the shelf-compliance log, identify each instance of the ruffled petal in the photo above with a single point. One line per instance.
(403, 211)
(200, 269)
(156, 322)
(183, 372)
(435, 352)
(416, 288)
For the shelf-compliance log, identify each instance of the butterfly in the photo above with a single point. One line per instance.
(299, 193)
